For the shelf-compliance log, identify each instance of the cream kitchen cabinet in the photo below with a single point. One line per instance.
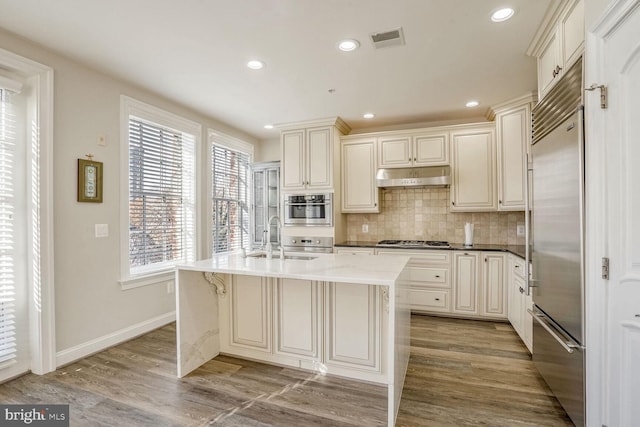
(307, 154)
(559, 47)
(473, 159)
(246, 324)
(513, 136)
(353, 318)
(466, 283)
(429, 274)
(519, 301)
(297, 311)
(359, 190)
(494, 285)
(479, 284)
(413, 150)
(354, 251)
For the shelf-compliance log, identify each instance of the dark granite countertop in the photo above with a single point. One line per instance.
(518, 250)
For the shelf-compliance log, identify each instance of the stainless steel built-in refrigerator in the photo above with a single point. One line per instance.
(557, 230)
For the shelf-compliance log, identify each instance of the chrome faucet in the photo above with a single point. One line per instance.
(269, 247)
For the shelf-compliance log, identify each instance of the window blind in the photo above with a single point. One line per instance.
(7, 229)
(157, 191)
(230, 199)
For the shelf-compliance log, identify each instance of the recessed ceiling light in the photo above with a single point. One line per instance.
(472, 104)
(368, 115)
(268, 126)
(254, 64)
(503, 14)
(348, 45)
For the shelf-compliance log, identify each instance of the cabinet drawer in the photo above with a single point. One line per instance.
(432, 277)
(429, 300)
(518, 266)
(419, 257)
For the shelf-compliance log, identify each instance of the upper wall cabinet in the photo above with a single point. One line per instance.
(513, 135)
(413, 150)
(473, 161)
(560, 44)
(307, 155)
(359, 191)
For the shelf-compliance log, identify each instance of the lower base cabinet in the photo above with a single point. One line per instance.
(480, 284)
(519, 302)
(338, 328)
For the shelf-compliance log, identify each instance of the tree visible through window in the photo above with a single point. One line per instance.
(160, 181)
(230, 199)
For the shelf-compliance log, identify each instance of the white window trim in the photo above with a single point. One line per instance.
(41, 277)
(132, 107)
(219, 138)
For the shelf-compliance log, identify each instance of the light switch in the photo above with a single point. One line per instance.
(102, 230)
(102, 141)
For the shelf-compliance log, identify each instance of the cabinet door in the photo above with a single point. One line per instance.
(494, 292)
(293, 160)
(395, 152)
(319, 159)
(353, 322)
(465, 283)
(513, 130)
(431, 149)
(473, 185)
(297, 325)
(572, 27)
(548, 62)
(359, 191)
(250, 312)
(517, 307)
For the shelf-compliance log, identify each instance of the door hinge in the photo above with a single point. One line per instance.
(605, 268)
(603, 94)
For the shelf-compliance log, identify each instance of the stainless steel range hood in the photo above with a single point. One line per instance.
(432, 176)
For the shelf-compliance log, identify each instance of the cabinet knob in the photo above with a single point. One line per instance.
(415, 159)
(521, 290)
(453, 203)
(437, 276)
(437, 299)
(500, 201)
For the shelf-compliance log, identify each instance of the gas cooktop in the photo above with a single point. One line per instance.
(414, 243)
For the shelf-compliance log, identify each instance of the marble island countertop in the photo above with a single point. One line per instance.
(379, 270)
(518, 250)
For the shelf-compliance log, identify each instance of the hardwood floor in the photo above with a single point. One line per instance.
(461, 373)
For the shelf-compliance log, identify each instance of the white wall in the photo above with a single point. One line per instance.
(269, 150)
(89, 301)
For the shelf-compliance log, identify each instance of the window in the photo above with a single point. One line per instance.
(230, 193)
(160, 188)
(7, 228)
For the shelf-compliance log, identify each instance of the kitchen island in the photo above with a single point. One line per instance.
(329, 313)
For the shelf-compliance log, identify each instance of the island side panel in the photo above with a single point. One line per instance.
(198, 333)
(400, 336)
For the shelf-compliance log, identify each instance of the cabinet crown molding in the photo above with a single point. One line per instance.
(527, 98)
(337, 122)
(548, 25)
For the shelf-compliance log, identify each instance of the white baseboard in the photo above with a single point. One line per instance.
(72, 354)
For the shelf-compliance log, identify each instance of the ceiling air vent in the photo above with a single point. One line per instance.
(388, 38)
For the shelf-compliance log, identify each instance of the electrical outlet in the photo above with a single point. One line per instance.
(365, 228)
(520, 230)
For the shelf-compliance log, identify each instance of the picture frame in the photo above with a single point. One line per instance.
(89, 181)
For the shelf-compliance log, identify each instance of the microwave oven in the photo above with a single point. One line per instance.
(308, 209)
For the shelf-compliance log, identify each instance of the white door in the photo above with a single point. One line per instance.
(613, 218)
(14, 326)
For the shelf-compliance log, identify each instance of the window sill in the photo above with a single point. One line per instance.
(156, 278)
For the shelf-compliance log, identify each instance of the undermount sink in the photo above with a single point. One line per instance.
(277, 256)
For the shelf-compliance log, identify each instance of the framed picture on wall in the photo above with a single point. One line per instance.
(89, 181)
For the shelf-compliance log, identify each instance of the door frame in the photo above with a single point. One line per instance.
(597, 236)
(40, 209)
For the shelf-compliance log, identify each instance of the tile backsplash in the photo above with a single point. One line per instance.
(423, 214)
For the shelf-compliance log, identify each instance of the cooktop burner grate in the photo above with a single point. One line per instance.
(415, 243)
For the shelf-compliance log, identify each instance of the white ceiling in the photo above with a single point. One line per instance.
(195, 51)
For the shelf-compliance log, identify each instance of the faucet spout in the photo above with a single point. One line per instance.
(269, 247)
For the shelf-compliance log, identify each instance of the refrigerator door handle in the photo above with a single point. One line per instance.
(568, 345)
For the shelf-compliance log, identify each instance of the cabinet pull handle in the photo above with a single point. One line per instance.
(437, 299)
(437, 276)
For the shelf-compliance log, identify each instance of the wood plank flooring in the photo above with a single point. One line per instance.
(461, 373)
